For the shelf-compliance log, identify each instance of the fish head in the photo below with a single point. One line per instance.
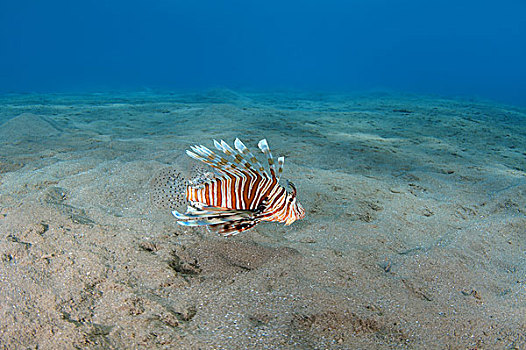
(295, 210)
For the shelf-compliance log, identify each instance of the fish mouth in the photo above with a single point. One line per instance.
(301, 211)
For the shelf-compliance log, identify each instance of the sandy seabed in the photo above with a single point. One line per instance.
(415, 235)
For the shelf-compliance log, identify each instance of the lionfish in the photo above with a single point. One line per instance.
(241, 194)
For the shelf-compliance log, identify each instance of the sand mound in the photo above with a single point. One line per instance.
(28, 126)
(222, 259)
(222, 95)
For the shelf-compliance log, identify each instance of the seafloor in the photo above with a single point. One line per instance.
(415, 235)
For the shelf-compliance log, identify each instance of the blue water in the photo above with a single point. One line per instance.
(467, 48)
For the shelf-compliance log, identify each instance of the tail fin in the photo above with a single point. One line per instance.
(168, 185)
(167, 189)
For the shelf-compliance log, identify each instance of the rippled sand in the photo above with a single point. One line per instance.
(415, 235)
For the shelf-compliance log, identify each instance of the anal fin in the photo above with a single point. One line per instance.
(221, 220)
(233, 228)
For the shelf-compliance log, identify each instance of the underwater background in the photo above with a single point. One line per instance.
(469, 48)
(403, 127)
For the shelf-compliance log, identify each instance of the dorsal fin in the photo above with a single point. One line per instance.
(238, 158)
(246, 152)
(281, 160)
(203, 154)
(263, 146)
(243, 160)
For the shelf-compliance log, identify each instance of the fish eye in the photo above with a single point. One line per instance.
(293, 188)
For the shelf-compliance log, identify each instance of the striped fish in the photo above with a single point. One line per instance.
(242, 194)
